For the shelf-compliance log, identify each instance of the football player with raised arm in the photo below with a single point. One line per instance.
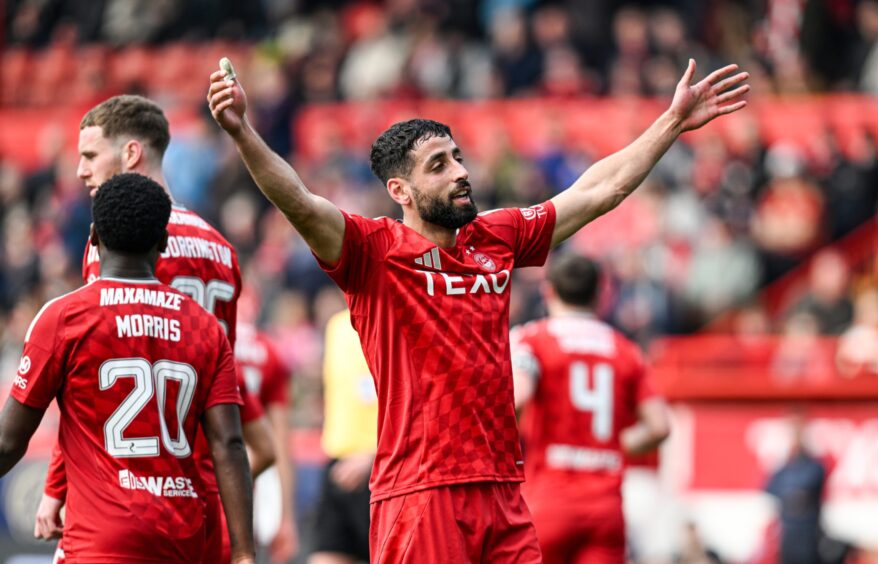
(429, 297)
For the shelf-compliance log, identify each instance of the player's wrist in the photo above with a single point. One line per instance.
(673, 121)
(244, 130)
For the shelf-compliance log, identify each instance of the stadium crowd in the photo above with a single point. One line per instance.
(717, 221)
(740, 208)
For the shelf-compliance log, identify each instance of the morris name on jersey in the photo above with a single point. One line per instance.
(154, 326)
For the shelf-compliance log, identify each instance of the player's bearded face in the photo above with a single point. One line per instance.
(443, 210)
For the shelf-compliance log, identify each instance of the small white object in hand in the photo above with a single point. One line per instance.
(226, 65)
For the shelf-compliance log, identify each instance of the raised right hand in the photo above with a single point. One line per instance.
(227, 102)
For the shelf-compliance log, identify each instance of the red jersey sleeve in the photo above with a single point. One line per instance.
(250, 410)
(524, 358)
(224, 387)
(528, 229)
(364, 241)
(275, 379)
(644, 387)
(56, 478)
(40, 373)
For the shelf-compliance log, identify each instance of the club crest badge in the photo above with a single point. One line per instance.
(484, 261)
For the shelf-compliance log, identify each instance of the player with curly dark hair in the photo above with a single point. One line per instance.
(137, 368)
(130, 213)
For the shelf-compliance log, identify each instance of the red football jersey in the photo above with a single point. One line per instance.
(434, 324)
(133, 364)
(265, 375)
(590, 381)
(200, 263)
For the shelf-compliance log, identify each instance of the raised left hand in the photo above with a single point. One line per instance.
(717, 94)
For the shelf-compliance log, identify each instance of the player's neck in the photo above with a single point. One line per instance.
(129, 267)
(441, 236)
(559, 309)
(157, 175)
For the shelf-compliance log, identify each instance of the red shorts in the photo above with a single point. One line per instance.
(218, 546)
(579, 532)
(478, 522)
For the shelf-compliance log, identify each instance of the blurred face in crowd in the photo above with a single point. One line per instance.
(440, 186)
(99, 158)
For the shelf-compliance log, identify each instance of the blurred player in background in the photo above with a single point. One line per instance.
(130, 134)
(268, 379)
(429, 298)
(137, 368)
(350, 418)
(798, 487)
(587, 403)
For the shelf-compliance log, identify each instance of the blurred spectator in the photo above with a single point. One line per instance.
(798, 488)
(518, 63)
(375, 61)
(826, 298)
(799, 356)
(864, 71)
(139, 21)
(858, 345)
(787, 221)
(631, 42)
(723, 271)
(191, 163)
(849, 183)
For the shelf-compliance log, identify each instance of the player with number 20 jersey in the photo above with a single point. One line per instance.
(134, 365)
(202, 264)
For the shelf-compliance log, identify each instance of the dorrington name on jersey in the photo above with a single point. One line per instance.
(195, 247)
(184, 246)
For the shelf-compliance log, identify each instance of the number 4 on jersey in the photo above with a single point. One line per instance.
(597, 398)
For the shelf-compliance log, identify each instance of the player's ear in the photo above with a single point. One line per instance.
(163, 242)
(132, 154)
(399, 191)
(93, 236)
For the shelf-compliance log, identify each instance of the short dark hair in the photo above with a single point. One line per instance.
(131, 213)
(575, 278)
(391, 152)
(132, 115)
